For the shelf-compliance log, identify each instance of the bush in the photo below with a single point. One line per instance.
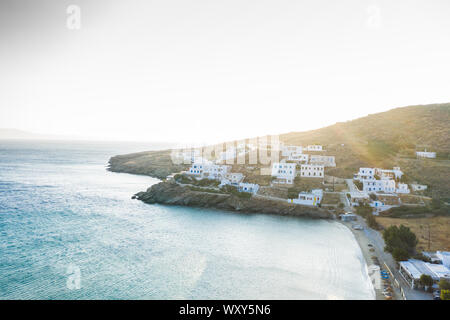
(426, 280)
(358, 184)
(364, 210)
(400, 241)
(400, 254)
(401, 211)
(444, 285)
(445, 294)
(372, 222)
(234, 191)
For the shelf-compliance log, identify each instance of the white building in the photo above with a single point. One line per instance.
(326, 161)
(232, 178)
(299, 157)
(284, 172)
(444, 256)
(383, 185)
(208, 170)
(380, 206)
(418, 187)
(358, 197)
(402, 188)
(314, 147)
(311, 171)
(286, 151)
(248, 187)
(426, 154)
(215, 171)
(389, 174)
(412, 269)
(365, 174)
(312, 198)
(370, 173)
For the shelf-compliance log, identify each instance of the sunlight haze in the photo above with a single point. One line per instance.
(206, 71)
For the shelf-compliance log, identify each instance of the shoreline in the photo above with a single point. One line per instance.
(170, 193)
(363, 241)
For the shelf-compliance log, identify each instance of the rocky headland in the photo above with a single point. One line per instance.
(171, 193)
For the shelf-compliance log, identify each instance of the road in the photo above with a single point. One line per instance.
(376, 239)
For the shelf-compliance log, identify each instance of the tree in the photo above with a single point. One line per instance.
(445, 294)
(400, 241)
(400, 254)
(426, 280)
(364, 210)
(372, 222)
(444, 285)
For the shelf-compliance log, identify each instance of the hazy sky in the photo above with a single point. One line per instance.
(208, 70)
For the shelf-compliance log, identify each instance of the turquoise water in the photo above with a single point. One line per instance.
(61, 211)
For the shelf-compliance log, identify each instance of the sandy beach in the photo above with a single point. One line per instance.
(366, 244)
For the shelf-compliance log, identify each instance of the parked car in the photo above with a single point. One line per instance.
(436, 295)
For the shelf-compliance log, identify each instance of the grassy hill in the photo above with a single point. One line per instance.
(389, 139)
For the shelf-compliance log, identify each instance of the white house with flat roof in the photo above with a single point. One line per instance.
(299, 157)
(402, 188)
(208, 170)
(284, 172)
(412, 269)
(426, 154)
(215, 171)
(286, 150)
(314, 147)
(248, 187)
(326, 161)
(312, 198)
(383, 185)
(418, 187)
(232, 178)
(311, 171)
(365, 174)
(371, 173)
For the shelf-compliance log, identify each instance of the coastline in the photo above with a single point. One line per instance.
(171, 193)
(363, 241)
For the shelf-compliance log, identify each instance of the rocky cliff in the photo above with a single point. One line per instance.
(173, 194)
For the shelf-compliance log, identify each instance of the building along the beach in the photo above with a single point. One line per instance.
(413, 269)
(312, 198)
(348, 217)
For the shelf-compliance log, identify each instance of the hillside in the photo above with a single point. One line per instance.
(389, 139)
(384, 139)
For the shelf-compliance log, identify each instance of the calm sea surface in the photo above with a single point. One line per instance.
(69, 230)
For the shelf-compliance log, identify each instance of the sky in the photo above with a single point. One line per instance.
(204, 71)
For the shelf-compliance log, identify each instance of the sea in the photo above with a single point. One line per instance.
(70, 230)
